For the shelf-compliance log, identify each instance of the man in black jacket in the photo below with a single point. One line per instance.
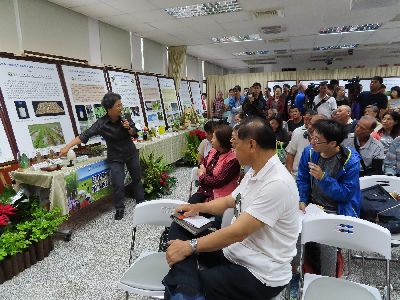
(255, 104)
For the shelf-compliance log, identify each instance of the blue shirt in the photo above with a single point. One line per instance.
(299, 101)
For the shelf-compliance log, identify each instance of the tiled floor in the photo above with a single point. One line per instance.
(89, 266)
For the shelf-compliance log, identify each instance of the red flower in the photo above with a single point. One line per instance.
(3, 220)
(7, 209)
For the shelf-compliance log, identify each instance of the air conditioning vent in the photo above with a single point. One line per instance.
(270, 61)
(395, 51)
(284, 56)
(395, 43)
(278, 40)
(272, 29)
(276, 12)
(282, 51)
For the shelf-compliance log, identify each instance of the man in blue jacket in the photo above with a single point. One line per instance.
(328, 175)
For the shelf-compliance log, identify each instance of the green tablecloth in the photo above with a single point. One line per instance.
(171, 147)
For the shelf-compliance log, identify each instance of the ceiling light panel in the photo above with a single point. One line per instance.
(347, 46)
(349, 28)
(204, 9)
(237, 38)
(251, 53)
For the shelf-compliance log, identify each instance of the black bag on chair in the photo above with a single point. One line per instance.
(379, 207)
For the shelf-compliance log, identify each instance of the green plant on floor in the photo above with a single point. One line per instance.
(193, 139)
(13, 242)
(156, 179)
(8, 192)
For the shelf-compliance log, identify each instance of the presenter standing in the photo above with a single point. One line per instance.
(117, 132)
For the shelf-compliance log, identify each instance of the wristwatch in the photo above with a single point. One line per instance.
(193, 244)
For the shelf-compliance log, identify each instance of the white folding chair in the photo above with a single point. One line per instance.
(193, 178)
(348, 233)
(144, 276)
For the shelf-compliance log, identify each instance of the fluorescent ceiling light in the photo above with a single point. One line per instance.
(347, 46)
(237, 39)
(349, 28)
(204, 9)
(251, 53)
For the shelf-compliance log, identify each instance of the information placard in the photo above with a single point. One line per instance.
(36, 105)
(86, 87)
(152, 100)
(196, 96)
(170, 100)
(184, 95)
(6, 154)
(124, 84)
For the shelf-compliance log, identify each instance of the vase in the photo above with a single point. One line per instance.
(20, 262)
(2, 273)
(32, 254)
(27, 259)
(39, 250)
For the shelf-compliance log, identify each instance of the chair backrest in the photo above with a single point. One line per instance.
(347, 232)
(194, 176)
(155, 212)
(389, 183)
(333, 289)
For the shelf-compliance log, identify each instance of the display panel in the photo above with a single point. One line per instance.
(86, 88)
(171, 102)
(152, 100)
(6, 154)
(196, 96)
(35, 105)
(271, 84)
(184, 95)
(124, 84)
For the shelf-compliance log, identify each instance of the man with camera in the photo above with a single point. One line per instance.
(373, 97)
(324, 104)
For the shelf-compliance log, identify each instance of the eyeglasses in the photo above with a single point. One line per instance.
(316, 141)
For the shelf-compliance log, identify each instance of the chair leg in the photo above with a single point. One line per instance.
(348, 263)
(363, 265)
(388, 285)
(126, 296)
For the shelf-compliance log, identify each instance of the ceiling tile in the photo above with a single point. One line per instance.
(98, 10)
(71, 3)
(129, 6)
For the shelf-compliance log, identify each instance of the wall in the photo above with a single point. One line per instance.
(115, 46)
(154, 54)
(193, 67)
(211, 69)
(49, 28)
(8, 28)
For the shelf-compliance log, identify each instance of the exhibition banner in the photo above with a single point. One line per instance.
(184, 95)
(124, 84)
(6, 154)
(87, 184)
(86, 88)
(35, 105)
(196, 96)
(170, 100)
(152, 100)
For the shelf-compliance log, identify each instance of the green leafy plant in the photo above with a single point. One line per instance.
(5, 197)
(13, 242)
(156, 177)
(193, 139)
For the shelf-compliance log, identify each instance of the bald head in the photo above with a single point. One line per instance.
(369, 121)
(343, 114)
(364, 127)
(302, 87)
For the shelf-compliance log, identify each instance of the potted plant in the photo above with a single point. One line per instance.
(193, 139)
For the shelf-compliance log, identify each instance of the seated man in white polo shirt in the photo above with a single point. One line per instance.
(258, 246)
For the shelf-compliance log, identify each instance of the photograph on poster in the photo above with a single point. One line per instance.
(152, 117)
(135, 111)
(174, 106)
(160, 116)
(22, 109)
(46, 135)
(148, 105)
(48, 108)
(81, 113)
(99, 111)
(89, 111)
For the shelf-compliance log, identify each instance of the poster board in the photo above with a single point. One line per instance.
(151, 98)
(196, 96)
(316, 82)
(184, 95)
(124, 84)
(35, 105)
(86, 87)
(391, 82)
(170, 100)
(271, 84)
(6, 153)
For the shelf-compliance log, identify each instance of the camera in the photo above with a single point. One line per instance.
(352, 83)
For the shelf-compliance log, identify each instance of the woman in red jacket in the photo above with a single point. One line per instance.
(277, 101)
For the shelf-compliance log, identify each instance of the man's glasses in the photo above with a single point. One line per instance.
(315, 140)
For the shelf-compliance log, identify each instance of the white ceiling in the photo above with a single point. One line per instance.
(302, 20)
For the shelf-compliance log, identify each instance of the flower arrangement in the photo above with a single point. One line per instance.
(157, 180)
(194, 139)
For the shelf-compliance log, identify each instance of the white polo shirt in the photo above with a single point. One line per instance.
(326, 108)
(271, 196)
(297, 145)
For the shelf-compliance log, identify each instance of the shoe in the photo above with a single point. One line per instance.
(119, 214)
(294, 286)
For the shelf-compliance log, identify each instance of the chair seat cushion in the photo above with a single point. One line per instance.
(147, 272)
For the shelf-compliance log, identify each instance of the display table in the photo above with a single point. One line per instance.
(74, 187)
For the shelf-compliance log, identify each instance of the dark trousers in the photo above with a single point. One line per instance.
(223, 280)
(117, 169)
